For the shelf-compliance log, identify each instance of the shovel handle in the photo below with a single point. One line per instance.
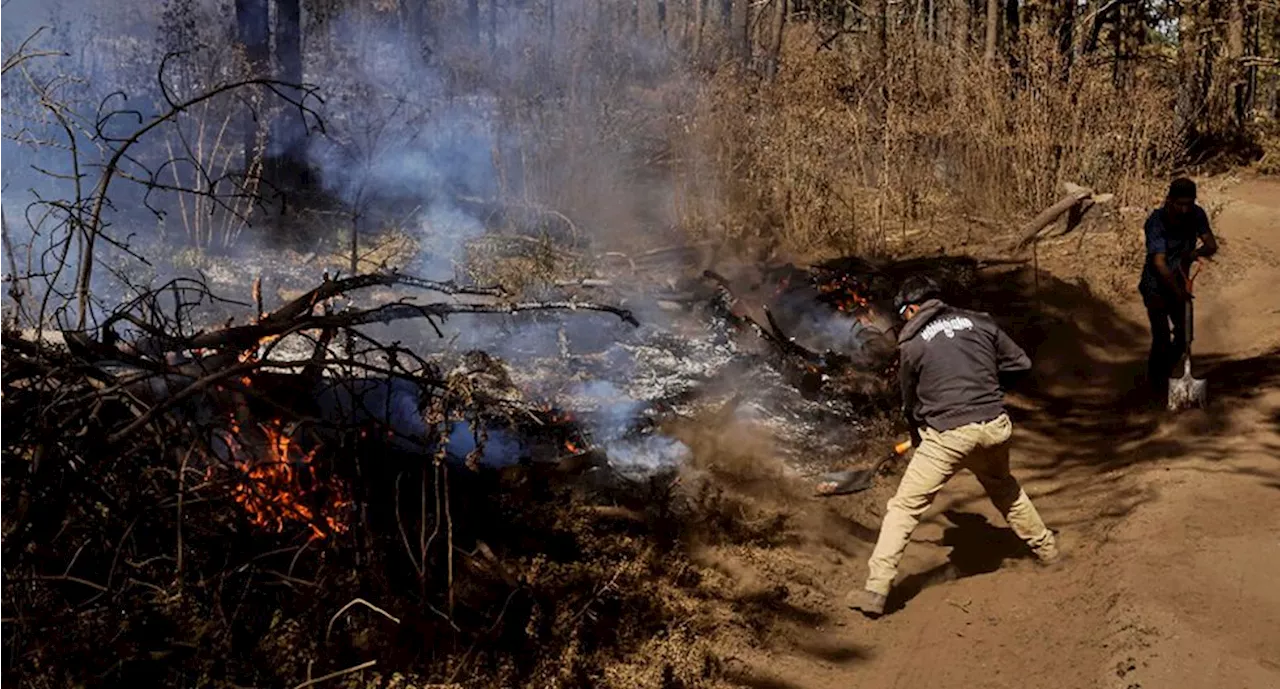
(898, 450)
(1196, 265)
(1189, 326)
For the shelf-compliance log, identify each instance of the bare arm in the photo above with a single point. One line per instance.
(1156, 245)
(1171, 279)
(1208, 242)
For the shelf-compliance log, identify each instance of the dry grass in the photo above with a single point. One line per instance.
(602, 148)
(836, 155)
(839, 156)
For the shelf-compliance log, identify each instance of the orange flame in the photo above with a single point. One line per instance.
(275, 488)
(849, 297)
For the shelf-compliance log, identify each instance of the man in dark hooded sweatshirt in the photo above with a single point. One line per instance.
(951, 364)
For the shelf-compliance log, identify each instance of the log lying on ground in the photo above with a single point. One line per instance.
(1078, 201)
(839, 372)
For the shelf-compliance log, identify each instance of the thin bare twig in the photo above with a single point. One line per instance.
(358, 601)
(340, 673)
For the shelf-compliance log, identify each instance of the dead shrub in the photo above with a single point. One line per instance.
(843, 154)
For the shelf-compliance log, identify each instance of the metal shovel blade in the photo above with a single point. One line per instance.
(1187, 392)
(844, 482)
(855, 480)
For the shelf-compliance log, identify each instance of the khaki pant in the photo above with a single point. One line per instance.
(982, 448)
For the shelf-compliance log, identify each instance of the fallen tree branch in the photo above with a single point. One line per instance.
(340, 673)
(772, 335)
(248, 335)
(199, 385)
(1078, 199)
(333, 288)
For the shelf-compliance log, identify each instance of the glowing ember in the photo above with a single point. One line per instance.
(845, 293)
(281, 487)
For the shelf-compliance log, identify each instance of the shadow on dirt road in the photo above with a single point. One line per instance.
(1085, 421)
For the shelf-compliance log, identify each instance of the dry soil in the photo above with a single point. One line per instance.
(1170, 523)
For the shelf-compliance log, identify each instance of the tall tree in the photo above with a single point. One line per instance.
(775, 47)
(993, 30)
(289, 60)
(473, 20)
(419, 26)
(1235, 75)
(254, 34)
(960, 17)
(1064, 28)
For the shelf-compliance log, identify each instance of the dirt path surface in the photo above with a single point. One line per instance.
(1170, 524)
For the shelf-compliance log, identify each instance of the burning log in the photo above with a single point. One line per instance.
(852, 355)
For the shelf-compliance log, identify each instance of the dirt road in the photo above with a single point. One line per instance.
(1170, 525)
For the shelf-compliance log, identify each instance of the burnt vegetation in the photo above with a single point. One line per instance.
(400, 343)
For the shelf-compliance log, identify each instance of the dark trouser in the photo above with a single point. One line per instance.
(1168, 318)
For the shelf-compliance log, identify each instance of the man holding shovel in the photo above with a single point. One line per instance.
(951, 362)
(1172, 232)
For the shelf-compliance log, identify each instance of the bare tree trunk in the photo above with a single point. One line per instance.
(662, 20)
(493, 27)
(289, 40)
(699, 20)
(286, 167)
(1192, 97)
(254, 34)
(1235, 55)
(877, 14)
(473, 20)
(1254, 27)
(417, 24)
(551, 22)
(1117, 48)
(779, 25)
(993, 30)
(1065, 26)
(960, 16)
(1012, 22)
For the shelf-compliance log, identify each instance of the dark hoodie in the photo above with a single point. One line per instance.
(951, 365)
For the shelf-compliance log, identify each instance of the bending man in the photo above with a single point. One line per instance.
(951, 361)
(1172, 232)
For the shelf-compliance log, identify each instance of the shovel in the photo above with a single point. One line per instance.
(856, 480)
(1186, 392)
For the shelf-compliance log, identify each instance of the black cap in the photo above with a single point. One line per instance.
(1182, 188)
(916, 289)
